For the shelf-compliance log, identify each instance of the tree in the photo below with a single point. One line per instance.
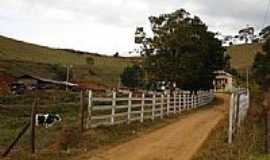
(265, 32)
(261, 66)
(132, 77)
(182, 50)
(116, 54)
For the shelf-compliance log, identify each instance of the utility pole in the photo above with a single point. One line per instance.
(247, 78)
(68, 75)
(119, 83)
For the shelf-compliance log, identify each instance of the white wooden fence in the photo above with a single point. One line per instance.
(125, 108)
(239, 105)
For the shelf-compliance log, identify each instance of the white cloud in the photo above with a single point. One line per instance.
(107, 26)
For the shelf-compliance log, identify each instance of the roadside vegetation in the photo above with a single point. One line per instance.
(248, 143)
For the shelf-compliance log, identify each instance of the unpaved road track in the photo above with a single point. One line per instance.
(177, 141)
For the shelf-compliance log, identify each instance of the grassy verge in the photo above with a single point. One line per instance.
(248, 143)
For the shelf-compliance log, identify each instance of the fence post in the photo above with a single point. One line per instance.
(192, 100)
(33, 126)
(142, 107)
(199, 98)
(188, 101)
(184, 101)
(239, 111)
(153, 105)
(168, 104)
(90, 101)
(113, 107)
(82, 111)
(230, 132)
(174, 102)
(179, 105)
(129, 106)
(267, 129)
(162, 105)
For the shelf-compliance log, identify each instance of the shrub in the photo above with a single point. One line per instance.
(133, 77)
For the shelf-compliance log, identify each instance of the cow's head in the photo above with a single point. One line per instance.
(58, 118)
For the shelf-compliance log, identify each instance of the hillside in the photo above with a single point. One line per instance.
(17, 58)
(242, 56)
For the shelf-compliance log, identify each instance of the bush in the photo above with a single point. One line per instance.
(60, 72)
(133, 77)
(261, 66)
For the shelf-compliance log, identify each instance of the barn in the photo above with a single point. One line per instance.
(28, 83)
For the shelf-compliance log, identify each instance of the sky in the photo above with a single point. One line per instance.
(108, 26)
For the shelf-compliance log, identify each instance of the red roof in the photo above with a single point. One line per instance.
(6, 79)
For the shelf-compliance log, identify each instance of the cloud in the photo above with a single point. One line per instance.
(231, 15)
(108, 26)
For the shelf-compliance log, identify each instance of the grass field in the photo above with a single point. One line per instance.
(18, 57)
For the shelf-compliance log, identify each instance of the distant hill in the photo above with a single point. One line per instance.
(242, 56)
(17, 58)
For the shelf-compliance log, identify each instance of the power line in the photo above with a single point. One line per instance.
(266, 14)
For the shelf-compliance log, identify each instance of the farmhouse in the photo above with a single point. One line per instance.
(223, 81)
(26, 83)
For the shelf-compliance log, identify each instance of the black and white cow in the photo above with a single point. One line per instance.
(47, 120)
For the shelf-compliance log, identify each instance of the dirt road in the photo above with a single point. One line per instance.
(177, 141)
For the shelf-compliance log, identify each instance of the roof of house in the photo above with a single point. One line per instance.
(223, 73)
(91, 85)
(49, 80)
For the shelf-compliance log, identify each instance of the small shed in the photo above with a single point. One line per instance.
(91, 85)
(223, 81)
(26, 83)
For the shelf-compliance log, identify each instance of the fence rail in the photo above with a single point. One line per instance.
(126, 108)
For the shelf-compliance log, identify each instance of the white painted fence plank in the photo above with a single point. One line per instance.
(141, 108)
